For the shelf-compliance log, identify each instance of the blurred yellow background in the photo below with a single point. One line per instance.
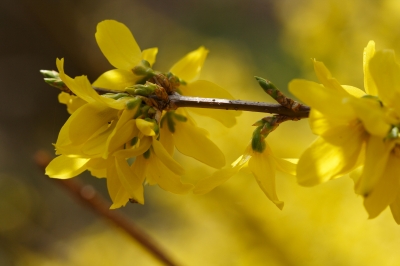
(235, 224)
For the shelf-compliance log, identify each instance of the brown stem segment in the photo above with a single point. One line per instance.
(177, 101)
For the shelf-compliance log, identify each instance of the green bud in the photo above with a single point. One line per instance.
(133, 103)
(55, 82)
(115, 96)
(268, 87)
(179, 117)
(50, 74)
(143, 69)
(143, 90)
(257, 142)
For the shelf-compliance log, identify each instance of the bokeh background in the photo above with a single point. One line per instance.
(235, 224)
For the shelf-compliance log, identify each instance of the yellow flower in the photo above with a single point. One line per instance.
(335, 116)
(356, 131)
(118, 137)
(120, 48)
(378, 181)
(262, 164)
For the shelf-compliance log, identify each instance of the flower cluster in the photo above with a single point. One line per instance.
(358, 132)
(127, 136)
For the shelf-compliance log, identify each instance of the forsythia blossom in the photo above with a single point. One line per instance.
(358, 131)
(125, 136)
(259, 159)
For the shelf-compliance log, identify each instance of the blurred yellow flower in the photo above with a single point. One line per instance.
(357, 131)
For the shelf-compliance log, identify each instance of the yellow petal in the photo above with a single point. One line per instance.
(327, 101)
(165, 178)
(64, 167)
(369, 84)
(386, 73)
(192, 142)
(372, 116)
(87, 120)
(132, 183)
(144, 145)
(167, 139)
(146, 127)
(386, 189)
(150, 55)
(377, 154)
(118, 44)
(217, 178)
(82, 88)
(117, 192)
(189, 67)
(95, 146)
(325, 77)
(285, 166)
(116, 79)
(119, 137)
(263, 168)
(71, 101)
(322, 125)
(330, 158)
(354, 91)
(166, 158)
(395, 208)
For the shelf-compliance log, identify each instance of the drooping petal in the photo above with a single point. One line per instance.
(166, 158)
(119, 137)
(377, 154)
(217, 178)
(64, 167)
(386, 189)
(150, 55)
(317, 96)
(118, 45)
(285, 165)
(116, 79)
(369, 84)
(189, 67)
(192, 142)
(330, 158)
(263, 168)
(132, 183)
(117, 192)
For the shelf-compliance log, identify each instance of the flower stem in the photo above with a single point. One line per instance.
(177, 101)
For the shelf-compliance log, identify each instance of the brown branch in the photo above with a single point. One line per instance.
(88, 196)
(177, 101)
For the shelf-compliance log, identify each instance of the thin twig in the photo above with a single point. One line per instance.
(177, 101)
(89, 197)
